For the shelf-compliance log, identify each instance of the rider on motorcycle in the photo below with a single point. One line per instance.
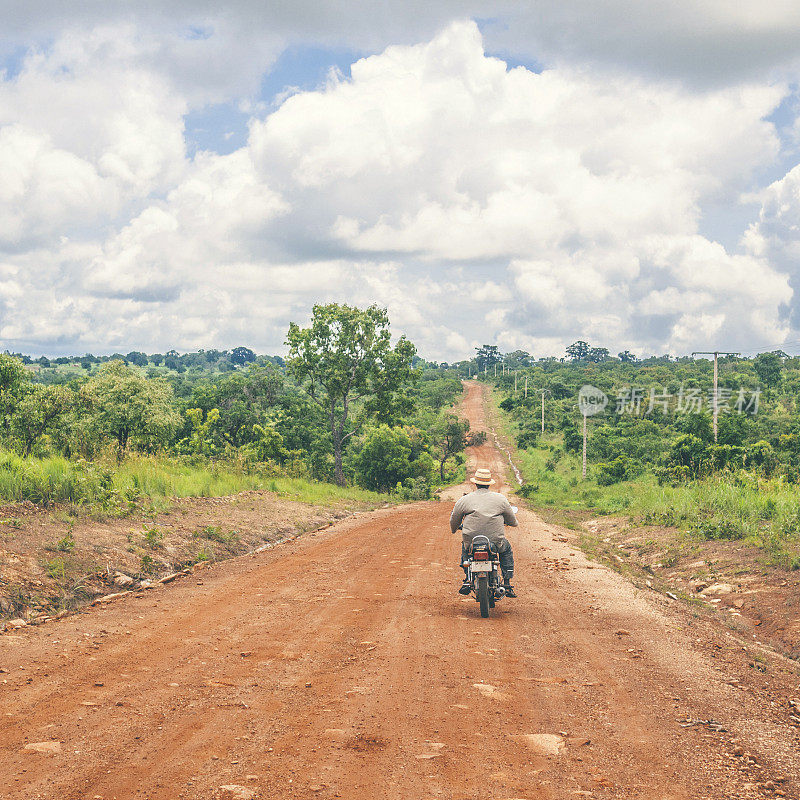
(485, 512)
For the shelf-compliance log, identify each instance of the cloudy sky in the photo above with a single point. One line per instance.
(521, 173)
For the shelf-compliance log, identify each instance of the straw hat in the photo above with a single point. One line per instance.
(482, 477)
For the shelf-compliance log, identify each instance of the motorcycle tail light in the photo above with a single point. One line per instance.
(481, 555)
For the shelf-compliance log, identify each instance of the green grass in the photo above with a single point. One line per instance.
(757, 511)
(216, 534)
(119, 488)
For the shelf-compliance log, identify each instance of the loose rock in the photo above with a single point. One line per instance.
(233, 791)
(718, 588)
(544, 744)
(49, 748)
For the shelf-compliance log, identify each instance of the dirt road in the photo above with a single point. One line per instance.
(344, 664)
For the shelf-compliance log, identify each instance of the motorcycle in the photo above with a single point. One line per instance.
(483, 573)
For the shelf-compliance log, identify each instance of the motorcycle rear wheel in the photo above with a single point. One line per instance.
(483, 595)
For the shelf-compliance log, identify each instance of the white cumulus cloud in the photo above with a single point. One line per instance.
(477, 202)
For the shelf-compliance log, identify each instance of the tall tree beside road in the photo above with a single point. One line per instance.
(345, 356)
(449, 436)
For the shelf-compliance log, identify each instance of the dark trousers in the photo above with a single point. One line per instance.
(506, 557)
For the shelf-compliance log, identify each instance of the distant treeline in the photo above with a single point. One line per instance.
(219, 360)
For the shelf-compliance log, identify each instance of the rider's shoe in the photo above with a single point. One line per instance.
(509, 590)
(465, 588)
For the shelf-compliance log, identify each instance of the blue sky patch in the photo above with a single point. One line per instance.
(12, 59)
(305, 68)
(220, 128)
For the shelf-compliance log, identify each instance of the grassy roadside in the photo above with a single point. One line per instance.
(754, 511)
(59, 559)
(149, 482)
(70, 529)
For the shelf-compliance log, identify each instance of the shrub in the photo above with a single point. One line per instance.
(390, 456)
(153, 537)
(689, 451)
(720, 529)
(609, 472)
(215, 534)
(526, 438)
(573, 440)
(414, 489)
(66, 545)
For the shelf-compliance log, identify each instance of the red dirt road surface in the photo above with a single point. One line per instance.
(345, 665)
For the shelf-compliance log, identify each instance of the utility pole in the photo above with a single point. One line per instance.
(526, 387)
(542, 410)
(584, 447)
(495, 369)
(515, 383)
(715, 401)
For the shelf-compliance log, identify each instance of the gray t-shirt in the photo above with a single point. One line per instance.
(482, 512)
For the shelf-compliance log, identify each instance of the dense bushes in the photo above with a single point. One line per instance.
(389, 456)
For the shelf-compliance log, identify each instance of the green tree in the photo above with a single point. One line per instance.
(690, 452)
(578, 351)
(597, 355)
(242, 355)
(448, 435)
(762, 455)
(345, 356)
(768, 368)
(734, 429)
(487, 356)
(518, 359)
(267, 444)
(125, 405)
(698, 425)
(303, 426)
(14, 379)
(201, 438)
(573, 439)
(135, 357)
(37, 411)
(242, 399)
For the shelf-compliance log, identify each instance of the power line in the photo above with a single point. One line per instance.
(769, 348)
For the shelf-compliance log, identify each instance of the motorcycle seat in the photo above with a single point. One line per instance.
(482, 542)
